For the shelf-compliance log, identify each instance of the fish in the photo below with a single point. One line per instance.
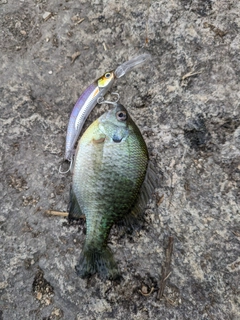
(109, 186)
(91, 96)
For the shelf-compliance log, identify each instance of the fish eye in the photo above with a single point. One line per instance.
(121, 115)
(107, 75)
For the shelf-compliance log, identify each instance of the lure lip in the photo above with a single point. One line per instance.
(127, 66)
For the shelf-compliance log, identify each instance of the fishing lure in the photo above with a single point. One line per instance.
(90, 98)
(83, 107)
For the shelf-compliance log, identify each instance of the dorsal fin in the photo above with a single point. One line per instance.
(135, 217)
(151, 182)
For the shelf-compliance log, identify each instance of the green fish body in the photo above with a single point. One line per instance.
(109, 169)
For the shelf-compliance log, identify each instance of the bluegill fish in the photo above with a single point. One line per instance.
(109, 170)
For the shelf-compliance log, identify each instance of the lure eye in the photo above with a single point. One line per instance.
(107, 75)
(121, 115)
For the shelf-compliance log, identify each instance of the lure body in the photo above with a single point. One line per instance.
(89, 99)
(109, 169)
(82, 109)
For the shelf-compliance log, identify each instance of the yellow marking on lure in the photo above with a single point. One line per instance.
(96, 92)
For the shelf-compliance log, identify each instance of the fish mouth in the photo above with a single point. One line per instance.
(116, 139)
(119, 135)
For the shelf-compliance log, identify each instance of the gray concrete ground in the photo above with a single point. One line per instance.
(185, 102)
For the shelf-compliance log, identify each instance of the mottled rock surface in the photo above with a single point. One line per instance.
(185, 102)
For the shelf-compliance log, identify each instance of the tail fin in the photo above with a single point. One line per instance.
(99, 261)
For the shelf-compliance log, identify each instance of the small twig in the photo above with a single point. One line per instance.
(217, 31)
(74, 56)
(190, 74)
(171, 302)
(167, 276)
(236, 233)
(47, 15)
(80, 21)
(57, 213)
(147, 294)
(159, 199)
(166, 269)
(105, 46)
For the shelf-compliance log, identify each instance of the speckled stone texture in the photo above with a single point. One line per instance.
(186, 104)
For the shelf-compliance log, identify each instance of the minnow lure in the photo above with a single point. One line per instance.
(83, 107)
(91, 97)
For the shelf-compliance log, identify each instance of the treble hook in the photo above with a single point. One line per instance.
(69, 169)
(101, 100)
